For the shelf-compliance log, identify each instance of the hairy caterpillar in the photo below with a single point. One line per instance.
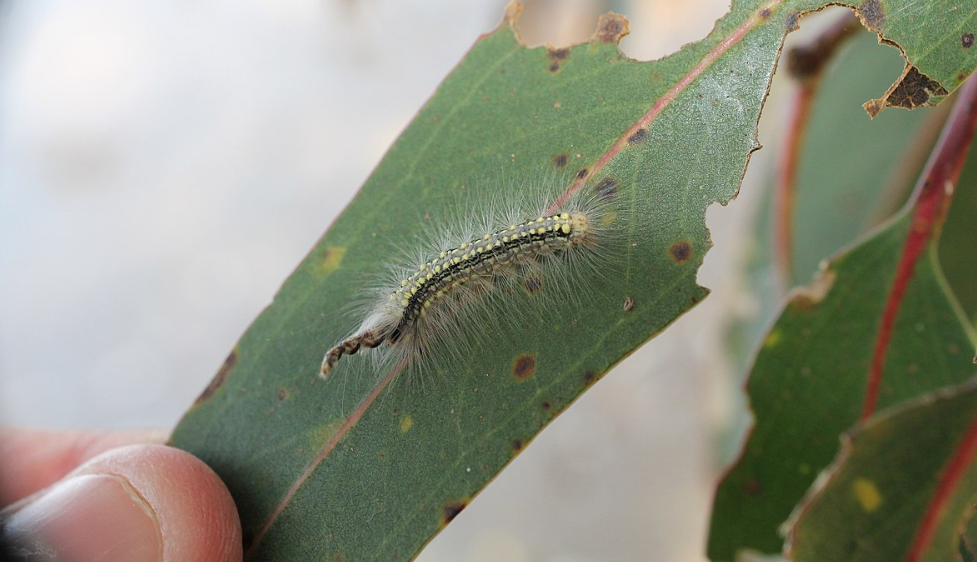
(425, 305)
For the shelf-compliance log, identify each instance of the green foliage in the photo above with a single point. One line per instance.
(887, 476)
(351, 468)
(808, 383)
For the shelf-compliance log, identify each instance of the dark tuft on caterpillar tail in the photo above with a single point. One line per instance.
(350, 346)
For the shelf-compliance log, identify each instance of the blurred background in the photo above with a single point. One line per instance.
(165, 165)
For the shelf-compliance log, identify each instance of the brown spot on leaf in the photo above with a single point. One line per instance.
(556, 57)
(681, 251)
(611, 28)
(558, 54)
(517, 445)
(546, 405)
(913, 90)
(872, 13)
(582, 173)
(628, 304)
(638, 136)
(606, 189)
(590, 377)
(560, 160)
(524, 366)
(765, 13)
(967, 40)
(282, 395)
(219, 378)
(791, 21)
(752, 487)
(450, 511)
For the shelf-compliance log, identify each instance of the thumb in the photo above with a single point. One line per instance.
(141, 503)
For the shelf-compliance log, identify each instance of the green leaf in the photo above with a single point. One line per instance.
(355, 469)
(854, 171)
(882, 305)
(865, 510)
(937, 38)
(809, 381)
(957, 241)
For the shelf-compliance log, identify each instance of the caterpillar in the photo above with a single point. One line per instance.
(425, 305)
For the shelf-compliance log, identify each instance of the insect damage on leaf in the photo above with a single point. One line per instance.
(913, 90)
(611, 28)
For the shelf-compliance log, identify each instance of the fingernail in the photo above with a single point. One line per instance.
(86, 518)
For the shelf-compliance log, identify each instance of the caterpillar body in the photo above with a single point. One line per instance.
(425, 308)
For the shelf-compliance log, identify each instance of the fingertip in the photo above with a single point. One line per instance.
(197, 517)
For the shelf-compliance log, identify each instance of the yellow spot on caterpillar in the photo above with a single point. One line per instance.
(867, 494)
(565, 216)
(532, 231)
(404, 303)
(540, 219)
(406, 424)
(566, 228)
(442, 255)
(772, 339)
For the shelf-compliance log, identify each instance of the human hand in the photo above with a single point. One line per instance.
(74, 496)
